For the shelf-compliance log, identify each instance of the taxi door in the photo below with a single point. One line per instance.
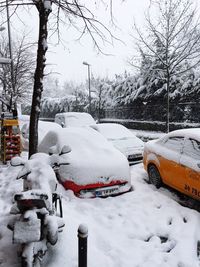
(173, 174)
(190, 160)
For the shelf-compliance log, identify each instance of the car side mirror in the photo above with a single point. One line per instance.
(17, 161)
(66, 149)
(53, 150)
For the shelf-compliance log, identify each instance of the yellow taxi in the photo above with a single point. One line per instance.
(175, 161)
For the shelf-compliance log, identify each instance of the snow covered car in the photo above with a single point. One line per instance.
(95, 167)
(43, 128)
(175, 160)
(123, 139)
(74, 119)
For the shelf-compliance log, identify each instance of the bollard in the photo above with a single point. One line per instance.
(82, 245)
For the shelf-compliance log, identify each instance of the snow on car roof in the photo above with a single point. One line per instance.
(114, 130)
(190, 132)
(77, 118)
(157, 146)
(92, 156)
(43, 128)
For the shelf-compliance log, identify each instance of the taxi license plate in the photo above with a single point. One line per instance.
(107, 191)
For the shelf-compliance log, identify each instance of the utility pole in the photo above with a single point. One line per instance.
(89, 88)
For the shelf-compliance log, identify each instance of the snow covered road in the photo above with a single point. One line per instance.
(143, 228)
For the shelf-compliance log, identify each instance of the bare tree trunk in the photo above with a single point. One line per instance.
(38, 78)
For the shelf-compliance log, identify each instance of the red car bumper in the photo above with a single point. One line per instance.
(98, 189)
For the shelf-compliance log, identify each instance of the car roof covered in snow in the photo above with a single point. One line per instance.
(190, 132)
(76, 119)
(43, 128)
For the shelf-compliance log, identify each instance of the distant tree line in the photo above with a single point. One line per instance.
(131, 97)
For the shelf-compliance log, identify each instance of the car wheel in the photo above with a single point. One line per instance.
(154, 176)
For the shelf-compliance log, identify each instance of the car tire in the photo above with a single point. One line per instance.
(154, 176)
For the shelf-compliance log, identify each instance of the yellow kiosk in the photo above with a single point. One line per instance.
(10, 137)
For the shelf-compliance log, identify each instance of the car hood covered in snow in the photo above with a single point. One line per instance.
(92, 159)
(121, 137)
(128, 145)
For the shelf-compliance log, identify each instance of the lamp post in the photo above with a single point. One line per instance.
(11, 55)
(89, 89)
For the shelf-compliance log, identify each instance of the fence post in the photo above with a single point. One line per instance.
(82, 245)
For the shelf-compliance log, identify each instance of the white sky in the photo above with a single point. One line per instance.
(68, 60)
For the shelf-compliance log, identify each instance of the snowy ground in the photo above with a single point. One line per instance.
(143, 228)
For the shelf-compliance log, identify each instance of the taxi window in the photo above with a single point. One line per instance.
(192, 148)
(174, 143)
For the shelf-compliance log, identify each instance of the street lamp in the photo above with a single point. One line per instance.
(88, 65)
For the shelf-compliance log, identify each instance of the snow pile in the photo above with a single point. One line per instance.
(143, 228)
(92, 159)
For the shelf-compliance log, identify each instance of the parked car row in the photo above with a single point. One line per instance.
(122, 138)
(101, 155)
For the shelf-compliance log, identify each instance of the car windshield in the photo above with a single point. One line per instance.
(114, 131)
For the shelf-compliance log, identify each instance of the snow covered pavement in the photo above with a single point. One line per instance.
(143, 228)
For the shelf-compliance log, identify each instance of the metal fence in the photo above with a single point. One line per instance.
(179, 112)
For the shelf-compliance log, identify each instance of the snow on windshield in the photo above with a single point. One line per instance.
(114, 131)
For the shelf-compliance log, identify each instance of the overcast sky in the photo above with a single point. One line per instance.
(67, 59)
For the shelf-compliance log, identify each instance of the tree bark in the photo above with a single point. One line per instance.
(168, 108)
(38, 77)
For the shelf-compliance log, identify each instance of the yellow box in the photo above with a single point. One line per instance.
(10, 123)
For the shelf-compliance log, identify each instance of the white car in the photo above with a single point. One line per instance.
(74, 119)
(43, 128)
(123, 139)
(95, 167)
